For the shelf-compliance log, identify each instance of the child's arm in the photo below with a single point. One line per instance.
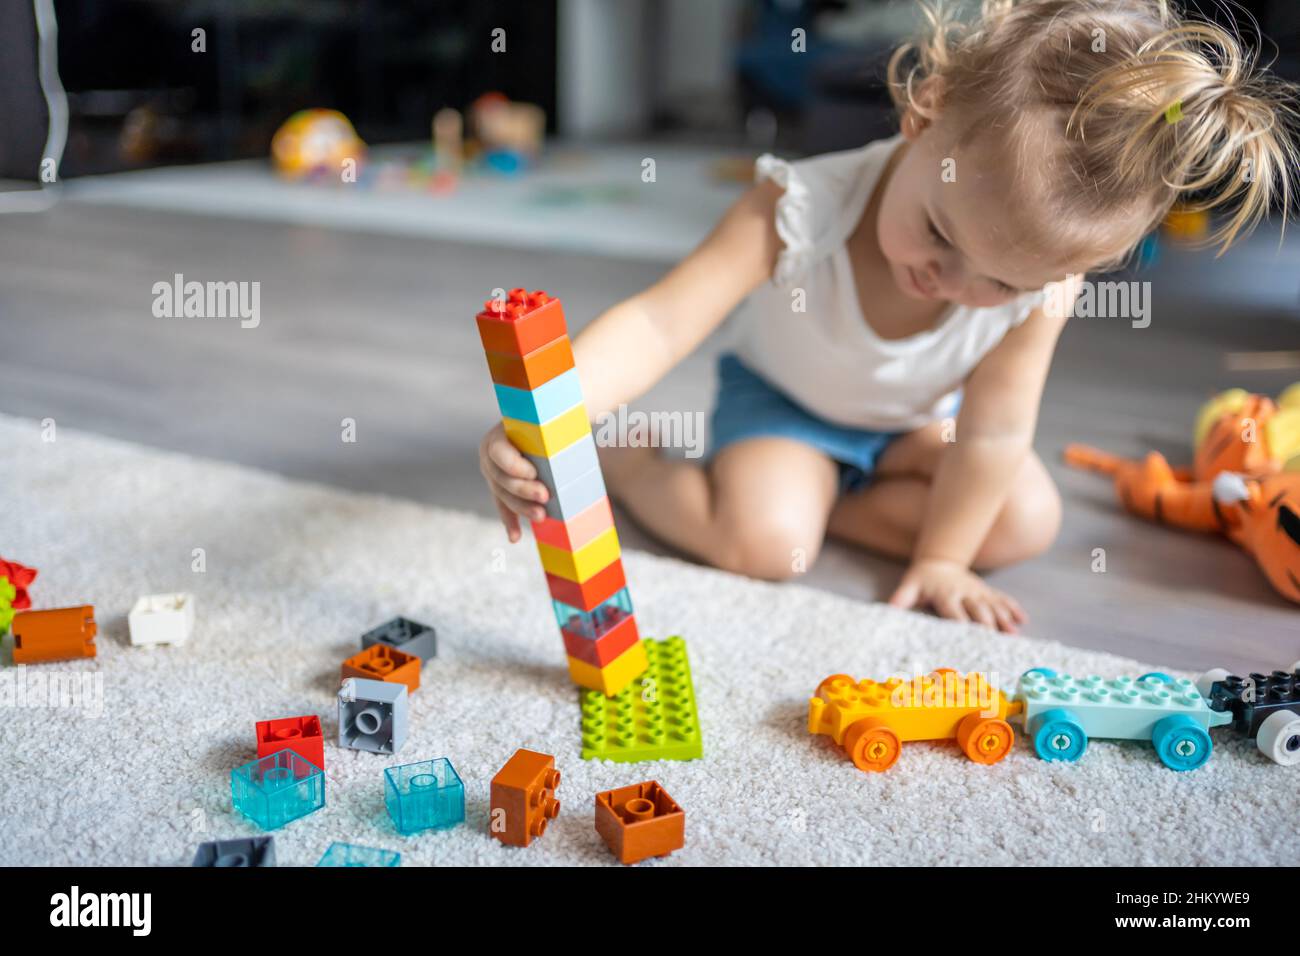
(629, 348)
(995, 430)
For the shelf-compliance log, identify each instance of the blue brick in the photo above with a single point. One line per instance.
(578, 495)
(424, 796)
(566, 465)
(277, 788)
(542, 403)
(348, 854)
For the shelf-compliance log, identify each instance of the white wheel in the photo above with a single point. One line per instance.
(1279, 737)
(1208, 679)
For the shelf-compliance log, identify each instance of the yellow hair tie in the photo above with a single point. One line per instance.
(1174, 113)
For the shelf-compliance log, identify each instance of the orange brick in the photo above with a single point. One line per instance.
(640, 821)
(381, 662)
(523, 798)
(536, 368)
(63, 634)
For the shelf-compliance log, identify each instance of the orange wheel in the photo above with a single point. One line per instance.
(871, 745)
(985, 739)
(833, 677)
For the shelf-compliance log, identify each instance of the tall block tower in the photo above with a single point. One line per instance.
(537, 390)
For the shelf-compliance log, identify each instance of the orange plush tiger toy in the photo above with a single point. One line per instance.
(1245, 482)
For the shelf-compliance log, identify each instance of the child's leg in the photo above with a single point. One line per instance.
(887, 516)
(759, 509)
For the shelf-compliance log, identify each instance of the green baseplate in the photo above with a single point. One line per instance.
(653, 718)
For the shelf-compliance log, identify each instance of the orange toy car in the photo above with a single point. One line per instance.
(64, 634)
(871, 719)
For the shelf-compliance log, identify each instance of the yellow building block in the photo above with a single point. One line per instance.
(548, 438)
(615, 675)
(577, 566)
(870, 719)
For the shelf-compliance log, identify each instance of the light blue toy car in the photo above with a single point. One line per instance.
(1061, 712)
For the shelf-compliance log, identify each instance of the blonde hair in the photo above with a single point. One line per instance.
(1141, 106)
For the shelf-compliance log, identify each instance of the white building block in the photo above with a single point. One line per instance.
(162, 619)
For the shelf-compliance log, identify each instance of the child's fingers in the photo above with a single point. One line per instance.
(510, 520)
(905, 595)
(1006, 619)
(977, 608)
(520, 506)
(510, 459)
(527, 489)
(950, 607)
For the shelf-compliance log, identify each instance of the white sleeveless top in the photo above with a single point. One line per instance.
(828, 359)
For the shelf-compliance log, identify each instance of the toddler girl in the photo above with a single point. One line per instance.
(905, 298)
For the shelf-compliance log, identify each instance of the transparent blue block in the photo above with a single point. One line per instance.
(277, 788)
(599, 620)
(424, 796)
(347, 854)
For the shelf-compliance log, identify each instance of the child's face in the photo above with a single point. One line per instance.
(946, 226)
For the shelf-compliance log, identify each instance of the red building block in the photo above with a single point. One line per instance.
(302, 735)
(588, 595)
(523, 323)
(381, 662)
(615, 637)
(582, 528)
(640, 821)
(64, 634)
(20, 577)
(523, 798)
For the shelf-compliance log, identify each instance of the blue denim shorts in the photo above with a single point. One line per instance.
(748, 407)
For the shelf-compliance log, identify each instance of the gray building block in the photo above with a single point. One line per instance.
(405, 635)
(576, 496)
(567, 465)
(250, 852)
(373, 715)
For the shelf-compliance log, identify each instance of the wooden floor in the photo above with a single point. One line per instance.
(378, 329)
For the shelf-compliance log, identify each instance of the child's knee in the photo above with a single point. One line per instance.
(1028, 523)
(765, 550)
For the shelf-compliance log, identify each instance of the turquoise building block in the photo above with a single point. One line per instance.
(1061, 712)
(424, 796)
(348, 854)
(594, 623)
(277, 788)
(542, 403)
(568, 465)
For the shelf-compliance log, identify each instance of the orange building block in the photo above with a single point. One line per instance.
(64, 634)
(640, 821)
(523, 798)
(533, 369)
(381, 662)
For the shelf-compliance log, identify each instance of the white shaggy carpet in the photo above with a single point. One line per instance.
(295, 573)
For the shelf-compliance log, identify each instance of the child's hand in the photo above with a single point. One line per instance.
(512, 479)
(957, 592)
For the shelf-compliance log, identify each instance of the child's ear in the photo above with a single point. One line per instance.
(927, 103)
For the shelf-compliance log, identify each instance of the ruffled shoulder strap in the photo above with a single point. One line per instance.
(823, 201)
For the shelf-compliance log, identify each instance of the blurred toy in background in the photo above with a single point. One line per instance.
(1186, 224)
(1244, 483)
(316, 143)
(14, 580)
(508, 134)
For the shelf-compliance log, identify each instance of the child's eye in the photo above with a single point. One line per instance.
(1003, 287)
(935, 233)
